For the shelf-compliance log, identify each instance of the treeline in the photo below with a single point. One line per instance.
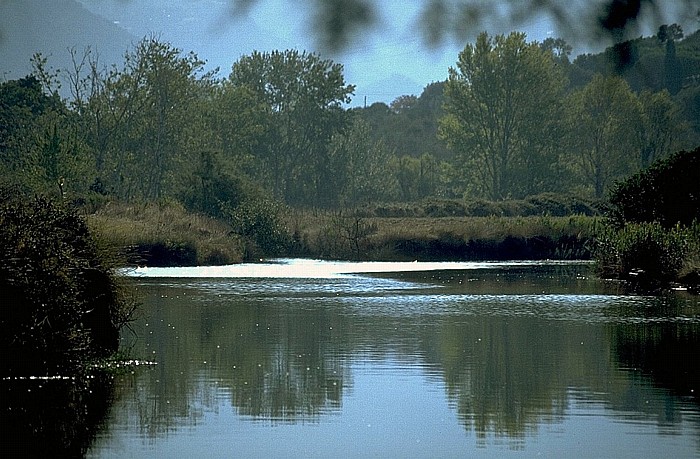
(514, 119)
(522, 118)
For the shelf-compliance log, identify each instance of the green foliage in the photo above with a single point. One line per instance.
(144, 121)
(259, 221)
(606, 120)
(62, 303)
(39, 144)
(663, 126)
(503, 106)
(360, 167)
(211, 190)
(668, 192)
(409, 126)
(302, 96)
(654, 236)
(646, 253)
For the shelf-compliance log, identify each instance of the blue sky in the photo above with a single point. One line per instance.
(394, 48)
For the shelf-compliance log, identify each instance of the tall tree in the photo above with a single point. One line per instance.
(360, 167)
(668, 34)
(303, 96)
(606, 120)
(502, 103)
(39, 142)
(663, 126)
(144, 119)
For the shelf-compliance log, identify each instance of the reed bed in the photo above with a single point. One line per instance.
(165, 231)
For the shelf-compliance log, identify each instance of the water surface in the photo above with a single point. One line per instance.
(301, 358)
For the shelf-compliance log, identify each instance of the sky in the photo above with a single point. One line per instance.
(394, 49)
(384, 62)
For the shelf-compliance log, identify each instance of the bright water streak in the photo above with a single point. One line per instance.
(319, 269)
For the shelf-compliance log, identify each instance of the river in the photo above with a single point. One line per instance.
(302, 358)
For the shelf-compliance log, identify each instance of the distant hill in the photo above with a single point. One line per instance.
(52, 27)
(646, 63)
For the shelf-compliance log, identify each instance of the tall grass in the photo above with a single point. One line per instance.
(649, 254)
(337, 235)
(165, 233)
(145, 232)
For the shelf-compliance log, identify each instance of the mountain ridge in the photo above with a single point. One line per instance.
(56, 27)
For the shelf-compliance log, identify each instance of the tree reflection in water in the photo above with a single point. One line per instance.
(53, 416)
(510, 363)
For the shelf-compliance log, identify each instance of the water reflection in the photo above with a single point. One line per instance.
(505, 354)
(56, 416)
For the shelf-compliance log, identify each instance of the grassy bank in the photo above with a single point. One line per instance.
(167, 235)
(447, 238)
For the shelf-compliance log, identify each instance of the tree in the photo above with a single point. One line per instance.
(144, 121)
(360, 167)
(663, 126)
(606, 119)
(559, 48)
(409, 126)
(672, 71)
(502, 103)
(303, 96)
(40, 144)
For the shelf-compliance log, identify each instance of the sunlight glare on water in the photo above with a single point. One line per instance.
(316, 269)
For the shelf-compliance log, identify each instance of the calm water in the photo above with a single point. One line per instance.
(311, 359)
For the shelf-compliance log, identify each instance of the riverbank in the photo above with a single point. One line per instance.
(167, 235)
(446, 238)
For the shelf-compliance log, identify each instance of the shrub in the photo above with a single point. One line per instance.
(259, 221)
(646, 253)
(667, 192)
(61, 300)
(653, 224)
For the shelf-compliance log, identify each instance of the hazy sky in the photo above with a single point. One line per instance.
(394, 46)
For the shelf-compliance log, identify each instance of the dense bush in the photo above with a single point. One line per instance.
(61, 302)
(668, 192)
(211, 191)
(259, 222)
(646, 253)
(653, 236)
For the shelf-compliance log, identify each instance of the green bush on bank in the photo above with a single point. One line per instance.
(647, 253)
(667, 192)
(62, 303)
(653, 235)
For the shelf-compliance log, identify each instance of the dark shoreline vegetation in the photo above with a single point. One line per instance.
(652, 236)
(63, 305)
